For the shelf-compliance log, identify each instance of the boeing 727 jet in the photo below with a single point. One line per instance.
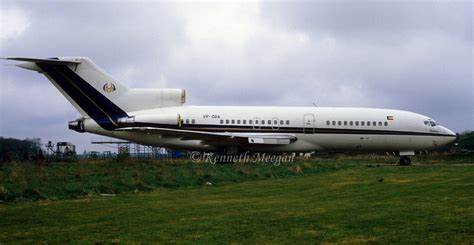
(159, 117)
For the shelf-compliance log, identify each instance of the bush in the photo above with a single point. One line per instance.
(466, 140)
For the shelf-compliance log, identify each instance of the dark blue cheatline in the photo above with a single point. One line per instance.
(95, 104)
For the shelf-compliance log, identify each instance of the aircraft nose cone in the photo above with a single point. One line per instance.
(448, 131)
(450, 135)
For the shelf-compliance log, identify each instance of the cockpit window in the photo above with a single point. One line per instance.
(430, 122)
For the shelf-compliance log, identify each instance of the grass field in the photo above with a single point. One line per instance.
(326, 200)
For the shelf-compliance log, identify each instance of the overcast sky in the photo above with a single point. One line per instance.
(399, 55)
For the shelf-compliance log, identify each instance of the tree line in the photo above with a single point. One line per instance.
(12, 150)
(466, 140)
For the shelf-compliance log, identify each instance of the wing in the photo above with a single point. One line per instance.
(217, 138)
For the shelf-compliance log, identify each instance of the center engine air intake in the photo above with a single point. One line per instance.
(142, 99)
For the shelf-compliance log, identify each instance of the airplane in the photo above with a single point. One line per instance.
(159, 117)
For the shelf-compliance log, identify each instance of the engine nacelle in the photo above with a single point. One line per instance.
(166, 119)
(142, 99)
(173, 96)
(77, 125)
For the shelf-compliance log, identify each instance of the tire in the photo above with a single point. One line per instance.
(405, 161)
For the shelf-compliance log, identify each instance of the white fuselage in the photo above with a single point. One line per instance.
(316, 128)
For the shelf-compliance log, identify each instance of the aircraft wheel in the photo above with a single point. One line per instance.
(405, 161)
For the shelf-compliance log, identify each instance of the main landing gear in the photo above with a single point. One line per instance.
(226, 155)
(405, 161)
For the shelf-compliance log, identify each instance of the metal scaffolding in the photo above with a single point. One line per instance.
(132, 149)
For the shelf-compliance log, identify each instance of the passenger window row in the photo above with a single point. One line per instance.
(357, 123)
(254, 122)
(245, 122)
(287, 122)
(187, 121)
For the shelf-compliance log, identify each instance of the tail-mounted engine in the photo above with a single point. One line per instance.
(142, 99)
(151, 120)
(77, 125)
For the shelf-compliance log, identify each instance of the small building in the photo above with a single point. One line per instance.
(65, 149)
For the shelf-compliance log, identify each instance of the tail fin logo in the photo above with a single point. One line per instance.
(109, 87)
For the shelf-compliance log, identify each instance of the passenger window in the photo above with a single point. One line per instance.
(328, 122)
(222, 121)
(269, 122)
(233, 121)
(193, 121)
(386, 124)
(238, 121)
(362, 123)
(263, 122)
(339, 123)
(187, 121)
(244, 121)
(351, 123)
(357, 123)
(250, 121)
(334, 123)
(345, 123)
(227, 121)
(374, 123)
(275, 122)
(368, 123)
(380, 123)
(287, 122)
(281, 122)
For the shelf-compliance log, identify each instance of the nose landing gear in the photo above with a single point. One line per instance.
(405, 161)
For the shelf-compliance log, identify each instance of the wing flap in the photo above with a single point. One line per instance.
(269, 140)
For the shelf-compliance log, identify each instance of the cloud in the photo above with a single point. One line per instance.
(13, 22)
(370, 21)
(221, 24)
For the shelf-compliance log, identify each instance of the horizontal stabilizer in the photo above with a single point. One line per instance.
(52, 61)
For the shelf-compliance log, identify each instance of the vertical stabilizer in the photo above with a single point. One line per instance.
(85, 85)
(95, 93)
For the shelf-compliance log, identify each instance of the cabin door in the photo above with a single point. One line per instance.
(309, 123)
